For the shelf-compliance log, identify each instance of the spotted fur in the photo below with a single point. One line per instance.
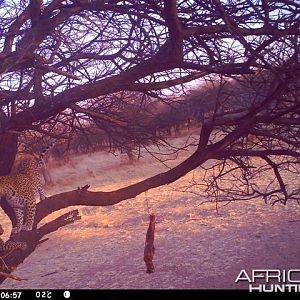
(21, 190)
(10, 246)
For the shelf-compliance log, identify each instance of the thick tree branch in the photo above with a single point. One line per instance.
(85, 197)
(33, 239)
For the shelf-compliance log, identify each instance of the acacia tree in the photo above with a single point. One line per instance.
(62, 61)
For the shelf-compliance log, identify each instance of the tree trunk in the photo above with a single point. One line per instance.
(8, 151)
(35, 237)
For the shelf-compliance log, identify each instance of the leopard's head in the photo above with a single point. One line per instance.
(26, 165)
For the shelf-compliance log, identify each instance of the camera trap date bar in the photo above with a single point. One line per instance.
(37, 294)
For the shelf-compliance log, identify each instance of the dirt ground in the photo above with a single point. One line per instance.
(195, 246)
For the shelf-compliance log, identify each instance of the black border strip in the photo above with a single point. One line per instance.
(143, 294)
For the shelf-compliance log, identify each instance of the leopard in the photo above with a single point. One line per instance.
(10, 246)
(22, 188)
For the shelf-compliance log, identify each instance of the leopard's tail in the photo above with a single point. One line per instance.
(43, 153)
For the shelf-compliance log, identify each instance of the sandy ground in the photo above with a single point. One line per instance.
(195, 246)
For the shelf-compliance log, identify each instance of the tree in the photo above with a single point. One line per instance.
(66, 63)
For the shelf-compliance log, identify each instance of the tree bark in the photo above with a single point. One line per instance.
(82, 196)
(8, 151)
(34, 238)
